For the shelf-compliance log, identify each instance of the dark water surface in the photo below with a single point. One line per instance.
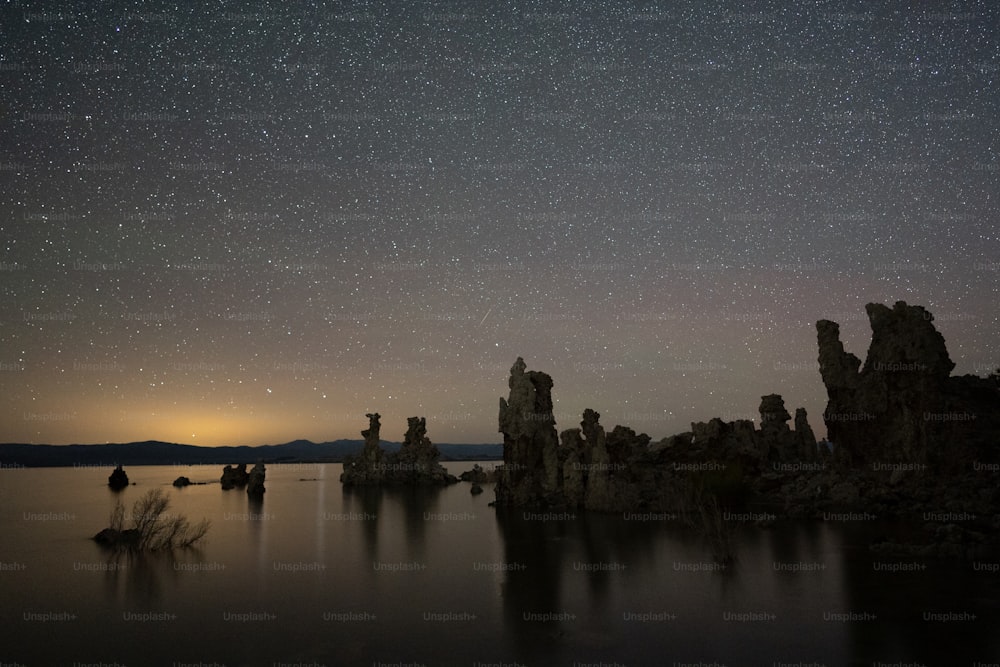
(316, 574)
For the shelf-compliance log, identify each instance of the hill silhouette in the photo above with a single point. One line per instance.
(154, 452)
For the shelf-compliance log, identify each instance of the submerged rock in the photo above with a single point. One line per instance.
(118, 480)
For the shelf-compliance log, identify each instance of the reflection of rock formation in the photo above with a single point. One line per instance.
(255, 485)
(234, 477)
(416, 462)
(118, 480)
(531, 583)
(902, 406)
(549, 587)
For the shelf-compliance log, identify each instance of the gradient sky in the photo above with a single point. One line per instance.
(250, 223)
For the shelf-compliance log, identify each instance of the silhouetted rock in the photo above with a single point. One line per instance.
(118, 480)
(530, 471)
(937, 436)
(110, 537)
(574, 457)
(415, 463)
(182, 481)
(805, 440)
(596, 463)
(620, 471)
(255, 484)
(366, 467)
(902, 406)
(476, 490)
(235, 477)
(777, 441)
(477, 475)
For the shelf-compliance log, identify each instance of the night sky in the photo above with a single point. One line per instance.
(247, 224)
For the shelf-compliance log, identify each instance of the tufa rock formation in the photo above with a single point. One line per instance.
(477, 475)
(530, 471)
(936, 436)
(366, 467)
(255, 484)
(118, 480)
(182, 481)
(233, 477)
(619, 471)
(903, 406)
(416, 462)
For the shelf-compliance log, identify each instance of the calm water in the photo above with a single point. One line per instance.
(317, 574)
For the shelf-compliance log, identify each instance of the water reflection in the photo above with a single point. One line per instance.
(140, 578)
(533, 590)
(366, 503)
(894, 591)
(522, 574)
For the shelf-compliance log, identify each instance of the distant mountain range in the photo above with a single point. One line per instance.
(153, 452)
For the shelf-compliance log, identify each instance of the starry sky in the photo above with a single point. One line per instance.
(249, 223)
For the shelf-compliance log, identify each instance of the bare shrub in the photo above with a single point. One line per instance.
(152, 528)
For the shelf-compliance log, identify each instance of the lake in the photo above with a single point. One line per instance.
(317, 574)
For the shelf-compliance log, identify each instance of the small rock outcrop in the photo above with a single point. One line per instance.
(182, 482)
(415, 463)
(477, 475)
(121, 539)
(255, 483)
(118, 480)
(235, 477)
